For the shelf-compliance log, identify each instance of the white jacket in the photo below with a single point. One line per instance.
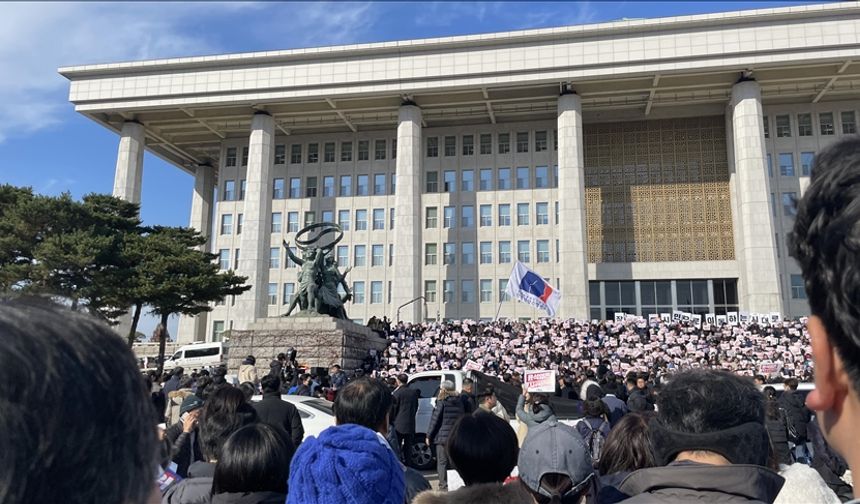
(804, 485)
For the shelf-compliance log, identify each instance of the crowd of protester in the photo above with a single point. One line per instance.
(573, 348)
(79, 424)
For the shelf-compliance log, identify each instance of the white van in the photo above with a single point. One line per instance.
(197, 356)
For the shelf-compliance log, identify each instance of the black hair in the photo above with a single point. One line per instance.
(628, 445)
(247, 389)
(760, 378)
(76, 423)
(825, 242)
(363, 401)
(708, 400)
(483, 448)
(467, 382)
(224, 412)
(595, 408)
(255, 458)
(403, 378)
(270, 383)
(282, 356)
(539, 400)
(791, 384)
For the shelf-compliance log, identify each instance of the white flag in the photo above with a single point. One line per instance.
(528, 287)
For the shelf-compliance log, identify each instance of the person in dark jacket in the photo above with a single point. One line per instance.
(275, 411)
(276, 367)
(254, 467)
(594, 428)
(615, 407)
(449, 409)
(367, 402)
(337, 377)
(184, 436)
(797, 414)
(468, 396)
(304, 387)
(172, 384)
(777, 427)
(709, 442)
(224, 412)
(404, 410)
(534, 409)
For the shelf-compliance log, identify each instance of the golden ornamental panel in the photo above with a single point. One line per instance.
(658, 191)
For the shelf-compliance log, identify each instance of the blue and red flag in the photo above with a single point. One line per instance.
(528, 287)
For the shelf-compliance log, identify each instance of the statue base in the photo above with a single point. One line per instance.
(319, 340)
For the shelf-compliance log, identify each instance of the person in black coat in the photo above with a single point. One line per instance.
(449, 409)
(797, 414)
(403, 414)
(275, 411)
(777, 427)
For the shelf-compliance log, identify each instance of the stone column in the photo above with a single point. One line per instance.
(256, 229)
(406, 285)
(571, 209)
(194, 328)
(756, 251)
(129, 162)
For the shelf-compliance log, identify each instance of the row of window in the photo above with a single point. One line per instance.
(524, 142)
(487, 254)
(826, 124)
(311, 152)
(490, 179)
(383, 184)
(377, 220)
(485, 215)
(662, 296)
(786, 164)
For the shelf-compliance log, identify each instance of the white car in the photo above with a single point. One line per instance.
(317, 414)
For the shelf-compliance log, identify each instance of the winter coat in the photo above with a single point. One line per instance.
(196, 489)
(777, 430)
(278, 413)
(185, 450)
(404, 409)
(416, 483)
(276, 368)
(445, 415)
(529, 417)
(174, 402)
(802, 485)
(338, 380)
(796, 412)
(469, 405)
(684, 482)
(617, 408)
(591, 424)
(484, 493)
(248, 373)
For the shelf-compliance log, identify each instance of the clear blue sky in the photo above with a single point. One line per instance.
(46, 145)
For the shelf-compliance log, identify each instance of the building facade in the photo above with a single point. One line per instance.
(641, 166)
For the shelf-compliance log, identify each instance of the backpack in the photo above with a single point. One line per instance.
(595, 442)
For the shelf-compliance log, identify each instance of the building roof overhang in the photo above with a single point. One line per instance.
(631, 69)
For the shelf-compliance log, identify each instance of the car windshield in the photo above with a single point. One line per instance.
(320, 405)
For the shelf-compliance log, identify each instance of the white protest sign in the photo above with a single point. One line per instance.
(539, 380)
(666, 317)
(710, 318)
(697, 319)
(775, 317)
(721, 320)
(472, 366)
(677, 315)
(768, 368)
(733, 317)
(619, 316)
(686, 317)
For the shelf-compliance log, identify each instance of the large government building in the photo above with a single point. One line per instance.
(640, 165)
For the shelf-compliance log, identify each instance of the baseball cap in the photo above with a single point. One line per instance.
(190, 403)
(554, 447)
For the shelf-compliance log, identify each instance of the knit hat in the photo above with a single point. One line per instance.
(346, 463)
(190, 403)
(553, 447)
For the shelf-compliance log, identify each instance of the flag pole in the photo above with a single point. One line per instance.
(499, 308)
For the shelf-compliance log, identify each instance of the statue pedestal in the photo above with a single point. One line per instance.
(319, 340)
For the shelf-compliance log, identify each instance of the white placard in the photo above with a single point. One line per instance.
(539, 380)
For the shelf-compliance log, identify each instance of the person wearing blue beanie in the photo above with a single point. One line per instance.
(345, 464)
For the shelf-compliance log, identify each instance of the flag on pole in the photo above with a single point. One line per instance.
(528, 287)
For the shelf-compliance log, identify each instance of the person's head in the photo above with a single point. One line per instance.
(334, 369)
(270, 383)
(250, 360)
(483, 448)
(641, 382)
(247, 389)
(363, 401)
(402, 379)
(282, 357)
(759, 380)
(71, 397)
(467, 385)
(487, 398)
(825, 242)
(305, 379)
(555, 465)
(791, 384)
(594, 408)
(177, 372)
(447, 389)
(769, 393)
(710, 411)
(539, 401)
(255, 458)
(346, 463)
(224, 412)
(630, 382)
(628, 445)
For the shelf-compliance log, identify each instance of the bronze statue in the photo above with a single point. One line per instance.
(319, 276)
